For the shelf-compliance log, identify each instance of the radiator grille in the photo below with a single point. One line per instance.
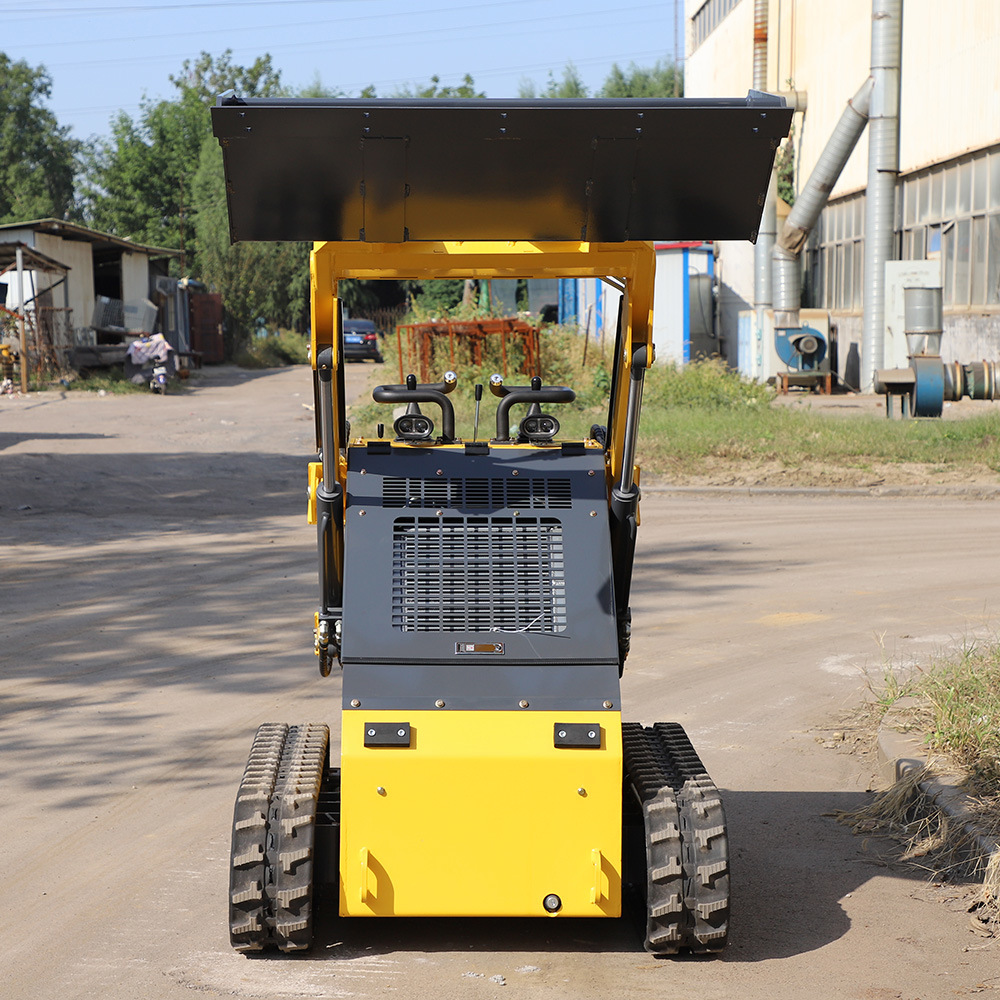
(490, 494)
(478, 574)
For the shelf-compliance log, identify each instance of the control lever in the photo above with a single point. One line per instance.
(414, 425)
(479, 399)
(536, 427)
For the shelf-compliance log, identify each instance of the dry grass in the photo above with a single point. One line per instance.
(939, 846)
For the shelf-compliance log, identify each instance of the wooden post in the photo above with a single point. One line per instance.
(24, 332)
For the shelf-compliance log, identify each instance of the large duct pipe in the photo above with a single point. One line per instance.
(769, 219)
(786, 274)
(883, 170)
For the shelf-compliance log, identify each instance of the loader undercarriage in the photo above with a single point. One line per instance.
(288, 813)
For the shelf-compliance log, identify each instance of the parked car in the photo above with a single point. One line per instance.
(361, 341)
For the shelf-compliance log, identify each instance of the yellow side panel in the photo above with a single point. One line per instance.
(315, 478)
(481, 816)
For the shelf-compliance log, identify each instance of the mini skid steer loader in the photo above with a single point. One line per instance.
(474, 593)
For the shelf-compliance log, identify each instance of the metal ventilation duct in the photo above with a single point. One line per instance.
(787, 274)
(883, 171)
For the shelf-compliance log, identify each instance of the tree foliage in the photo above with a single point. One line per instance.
(465, 89)
(256, 280)
(139, 181)
(209, 76)
(570, 85)
(158, 180)
(38, 159)
(662, 79)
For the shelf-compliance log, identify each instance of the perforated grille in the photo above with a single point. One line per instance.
(478, 574)
(490, 494)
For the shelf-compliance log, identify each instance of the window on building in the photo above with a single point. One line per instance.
(949, 212)
(957, 206)
(707, 18)
(841, 254)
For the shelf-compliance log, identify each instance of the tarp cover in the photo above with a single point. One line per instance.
(387, 171)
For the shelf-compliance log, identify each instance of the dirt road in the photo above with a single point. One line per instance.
(157, 583)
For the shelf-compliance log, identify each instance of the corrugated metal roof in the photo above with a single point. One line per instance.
(73, 231)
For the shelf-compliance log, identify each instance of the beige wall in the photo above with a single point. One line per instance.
(135, 277)
(950, 83)
(78, 257)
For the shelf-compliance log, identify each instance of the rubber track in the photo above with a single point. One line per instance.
(248, 917)
(687, 899)
(290, 857)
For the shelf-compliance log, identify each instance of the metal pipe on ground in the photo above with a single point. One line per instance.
(883, 170)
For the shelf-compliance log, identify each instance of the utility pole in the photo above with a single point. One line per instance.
(678, 21)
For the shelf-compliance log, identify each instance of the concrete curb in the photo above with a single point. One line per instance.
(900, 754)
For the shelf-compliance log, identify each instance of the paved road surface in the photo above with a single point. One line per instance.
(157, 584)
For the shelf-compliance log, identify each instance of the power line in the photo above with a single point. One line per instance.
(379, 40)
(399, 82)
(230, 30)
(159, 8)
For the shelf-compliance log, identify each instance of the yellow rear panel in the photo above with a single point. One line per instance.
(481, 816)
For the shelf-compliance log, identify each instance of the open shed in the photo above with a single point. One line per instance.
(102, 286)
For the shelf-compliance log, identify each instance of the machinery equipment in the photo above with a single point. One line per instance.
(801, 348)
(924, 386)
(475, 592)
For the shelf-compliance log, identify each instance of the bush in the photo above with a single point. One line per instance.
(707, 385)
(286, 347)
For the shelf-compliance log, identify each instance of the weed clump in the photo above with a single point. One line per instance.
(108, 380)
(964, 695)
(707, 385)
(275, 350)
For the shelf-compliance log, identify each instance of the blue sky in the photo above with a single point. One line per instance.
(106, 55)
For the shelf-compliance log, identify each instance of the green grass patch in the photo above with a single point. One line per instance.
(963, 694)
(109, 380)
(275, 350)
(674, 439)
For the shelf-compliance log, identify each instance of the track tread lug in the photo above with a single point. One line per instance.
(686, 842)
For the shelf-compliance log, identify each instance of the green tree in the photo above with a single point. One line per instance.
(467, 88)
(268, 280)
(139, 181)
(571, 85)
(662, 79)
(209, 76)
(38, 159)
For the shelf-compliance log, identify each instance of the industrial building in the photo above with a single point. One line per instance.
(930, 195)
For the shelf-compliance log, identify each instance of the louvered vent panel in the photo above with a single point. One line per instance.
(479, 574)
(488, 494)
